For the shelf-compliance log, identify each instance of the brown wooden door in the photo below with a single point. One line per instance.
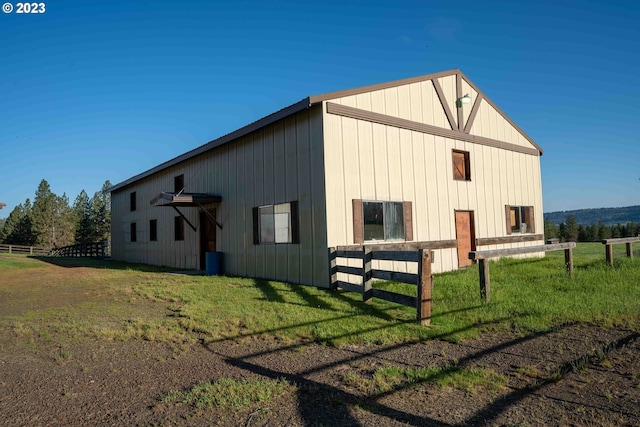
(465, 235)
(207, 237)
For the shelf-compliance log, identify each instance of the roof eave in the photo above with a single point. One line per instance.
(265, 121)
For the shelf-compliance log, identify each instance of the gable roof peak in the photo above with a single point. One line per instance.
(379, 86)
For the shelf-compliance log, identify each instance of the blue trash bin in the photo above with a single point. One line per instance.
(214, 264)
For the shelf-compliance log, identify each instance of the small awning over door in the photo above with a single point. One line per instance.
(181, 199)
(185, 199)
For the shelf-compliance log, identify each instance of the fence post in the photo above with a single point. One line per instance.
(333, 267)
(568, 260)
(485, 286)
(609, 253)
(629, 250)
(30, 250)
(367, 293)
(425, 284)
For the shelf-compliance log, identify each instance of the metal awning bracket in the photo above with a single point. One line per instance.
(211, 217)
(184, 217)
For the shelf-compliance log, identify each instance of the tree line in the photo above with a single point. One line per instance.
(609, 216)
(50, 221)
(572, 231)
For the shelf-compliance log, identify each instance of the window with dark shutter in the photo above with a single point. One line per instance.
(461, 166)
(408, 222)
(381, 221)
(520, 219)
(134, 233)
(358, 225)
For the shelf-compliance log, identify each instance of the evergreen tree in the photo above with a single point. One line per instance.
(63, 222)
(604, 232)
(83, 217)
(42, 215)
(616, 231)
(571, 229)
(582, 233)
(587, 233)
(101, 213)
(17, 229)
(52, 222)
(550, 229)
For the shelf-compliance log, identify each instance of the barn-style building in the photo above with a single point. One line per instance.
(428, 161)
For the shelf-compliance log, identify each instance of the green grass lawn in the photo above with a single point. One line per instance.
(112, 300)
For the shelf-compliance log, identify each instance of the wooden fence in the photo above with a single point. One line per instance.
(483, 256)
(366, 274)
(93, 250)
(24, 250)
(608, 247)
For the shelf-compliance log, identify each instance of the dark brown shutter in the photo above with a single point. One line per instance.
(295, 223)
(256, 230)
(408, 222)
(507, 214)
(531, 222)
(358, 222)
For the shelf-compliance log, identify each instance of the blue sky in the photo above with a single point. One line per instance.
(97, 90)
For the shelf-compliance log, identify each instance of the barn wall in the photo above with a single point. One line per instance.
(373, 161)
(276, 164)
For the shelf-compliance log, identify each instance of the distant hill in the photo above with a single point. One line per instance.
(609, 216)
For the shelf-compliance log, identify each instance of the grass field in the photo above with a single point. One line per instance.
(59, 299)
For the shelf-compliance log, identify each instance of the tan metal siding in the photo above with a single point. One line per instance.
(278, 164)
(372, 161)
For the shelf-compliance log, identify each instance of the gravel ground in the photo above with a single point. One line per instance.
(575, 375)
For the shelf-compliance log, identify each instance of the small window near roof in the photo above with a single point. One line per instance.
(132, 201)
(461, 166)
(178, 183)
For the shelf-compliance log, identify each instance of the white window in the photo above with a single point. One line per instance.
(383, 220)
(276, 223)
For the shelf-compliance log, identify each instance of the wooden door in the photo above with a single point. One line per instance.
(207, 236)
(465, 235)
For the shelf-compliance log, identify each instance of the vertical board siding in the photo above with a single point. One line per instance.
(383, 162)
(274, 165)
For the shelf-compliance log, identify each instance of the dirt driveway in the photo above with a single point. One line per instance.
(575, 375)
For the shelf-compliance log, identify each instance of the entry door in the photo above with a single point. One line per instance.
(465, 235)
(207, 237)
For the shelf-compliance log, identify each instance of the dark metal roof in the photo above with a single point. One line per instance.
(185, 199)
